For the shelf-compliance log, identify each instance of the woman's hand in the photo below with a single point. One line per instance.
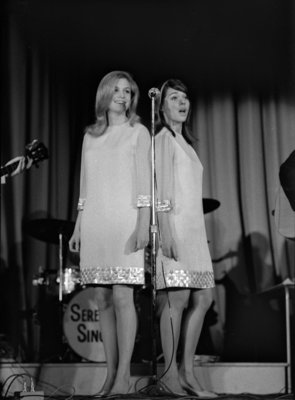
(74, 242)
(141, 236)
(20, 166)
(141, 239)
(167, 242)
(169, 248)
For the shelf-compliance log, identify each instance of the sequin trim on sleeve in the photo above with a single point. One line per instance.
(164, 206)
(143, 200)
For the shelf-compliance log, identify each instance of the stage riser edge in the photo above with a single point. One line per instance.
(87, 378)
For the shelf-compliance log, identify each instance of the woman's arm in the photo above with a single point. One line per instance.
(165, 191)
(74, 242)
(143, 189)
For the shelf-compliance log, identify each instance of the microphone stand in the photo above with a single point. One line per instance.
(154, 233)
(153, 389)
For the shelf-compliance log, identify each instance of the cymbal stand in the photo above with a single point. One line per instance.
(60, 241)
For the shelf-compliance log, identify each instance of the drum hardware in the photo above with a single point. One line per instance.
(70, 280)
(60, 252)
(69, 283)
(52, 231)
(45, 277)
(54, 312)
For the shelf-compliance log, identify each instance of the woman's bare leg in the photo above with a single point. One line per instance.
(126, 320)
(200, 302)
(171, 310)
(104, 297)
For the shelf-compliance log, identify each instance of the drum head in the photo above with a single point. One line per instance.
(82, 328)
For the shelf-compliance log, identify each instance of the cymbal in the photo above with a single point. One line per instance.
(210, 205)
(48, 230)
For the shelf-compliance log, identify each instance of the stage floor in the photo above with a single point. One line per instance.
(144, 396)
(84, 380)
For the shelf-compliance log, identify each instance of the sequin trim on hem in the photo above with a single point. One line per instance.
(112, 275)
(185, 279)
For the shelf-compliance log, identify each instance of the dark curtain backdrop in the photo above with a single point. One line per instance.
(242, 140)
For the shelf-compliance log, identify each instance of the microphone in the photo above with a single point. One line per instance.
(154, 92)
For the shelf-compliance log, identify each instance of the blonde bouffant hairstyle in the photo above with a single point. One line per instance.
(104, 95)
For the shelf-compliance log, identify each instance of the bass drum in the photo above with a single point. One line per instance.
(81, 326)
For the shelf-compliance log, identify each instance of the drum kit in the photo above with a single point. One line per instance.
(80, 313)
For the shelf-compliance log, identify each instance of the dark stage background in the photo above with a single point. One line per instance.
(237, 57)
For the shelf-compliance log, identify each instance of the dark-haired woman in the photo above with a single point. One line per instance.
(112, 227)
(184, 268)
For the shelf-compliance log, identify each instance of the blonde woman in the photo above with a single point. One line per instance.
(112, 226)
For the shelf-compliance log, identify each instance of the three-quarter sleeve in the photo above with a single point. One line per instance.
(82, 195)
(164, 153)
(143, 168)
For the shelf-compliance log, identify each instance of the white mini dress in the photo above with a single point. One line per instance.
(115, 181)
(179, 175)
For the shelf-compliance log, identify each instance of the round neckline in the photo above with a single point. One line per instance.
(118, 125)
